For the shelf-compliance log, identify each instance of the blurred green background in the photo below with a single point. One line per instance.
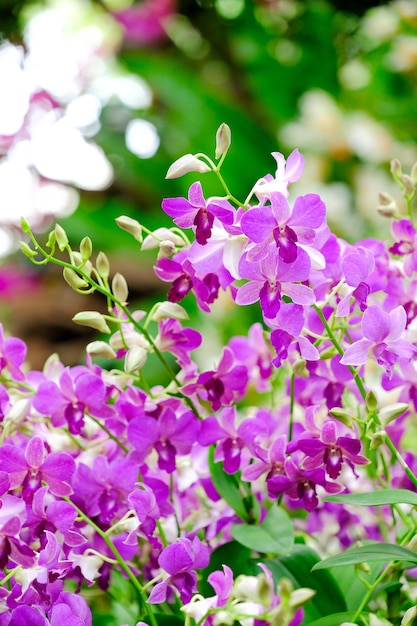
(147, 82)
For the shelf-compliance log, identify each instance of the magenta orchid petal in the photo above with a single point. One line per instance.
(375, 324)
(357, 353)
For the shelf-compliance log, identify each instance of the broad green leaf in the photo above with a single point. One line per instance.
(376, 498)
(227, 486)
(376, 552)
(233, 554)
(274, 535)
(333, 620)
(298, 566)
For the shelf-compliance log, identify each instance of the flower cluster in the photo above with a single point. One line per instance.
(100, 469)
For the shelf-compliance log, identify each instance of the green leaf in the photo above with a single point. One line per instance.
(163, 619)
(274, 535)
(376, 498)
(333, 620)
(298, 567)
(227, 486)
(233, 554)
(375, 552)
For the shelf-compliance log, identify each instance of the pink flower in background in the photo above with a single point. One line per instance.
(144, 21)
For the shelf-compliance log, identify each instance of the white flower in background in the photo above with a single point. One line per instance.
(55, 91)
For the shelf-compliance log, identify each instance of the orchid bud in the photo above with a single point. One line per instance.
(223, 140)
(392, 411)
(408, 184)
(166, 310)
(378, 439)
(101, 349)
(24, 225)
(185, 164)
(409, 616)
(103, 265)
(94, 319)
(371, 401)
(135, 358)
(27, 250)
(413, 173)
(131, 226)
(301, 596)
(342, 416)
(166, 249)
(61, 237)
(396, 169)
(119, 288)
(86, 248)
(75, 281)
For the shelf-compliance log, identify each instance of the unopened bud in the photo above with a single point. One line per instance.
(119, 288)
(166, 249)
(371, 401)
(75, 281)
(412, 544)
(27, 250)
(51, 241)
(386, 200)
(341, 415)
(301, 596)
(363, 567)
(185, 164)
(165, 310)
(103, 265)
(408, 184)
(135, 358)
(299, 368)
(24, 225)
(94, 319)
(378, 439)
(396, 169)
(101, 349)
(413, 173)
(409, 616)
(131, 226)
(223, 140)
(391, 412)
(86, 248)
(61, 237)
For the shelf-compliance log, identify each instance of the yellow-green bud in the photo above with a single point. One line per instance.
(371, 401)
(223, 140)
(408, 184)
(24, 225)
(61, 237)
(378, 439)
(27, 250)
(413, 173)
(103, 265)
(86, 248)
(119, 288)
(392, 411)
(73, 279)
(409, 616)
(341, 415)
(396, 169)
(131, 226)
(94, 319)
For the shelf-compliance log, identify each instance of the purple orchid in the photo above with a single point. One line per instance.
(331, 451)
(406, 244)
(288, 230)
(79, 391)
(382, 337)
(172, 337)
(30, 467)
(288, 171)
(181, 274)
(12, 355)
(197, 212)
(180, 560)
(271, 278)
(224, 432)
(169, 435)
(300, 484)
(222, 386)
(254, 353)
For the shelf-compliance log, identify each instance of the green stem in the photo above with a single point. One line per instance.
(124, 309)
(119, 559)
